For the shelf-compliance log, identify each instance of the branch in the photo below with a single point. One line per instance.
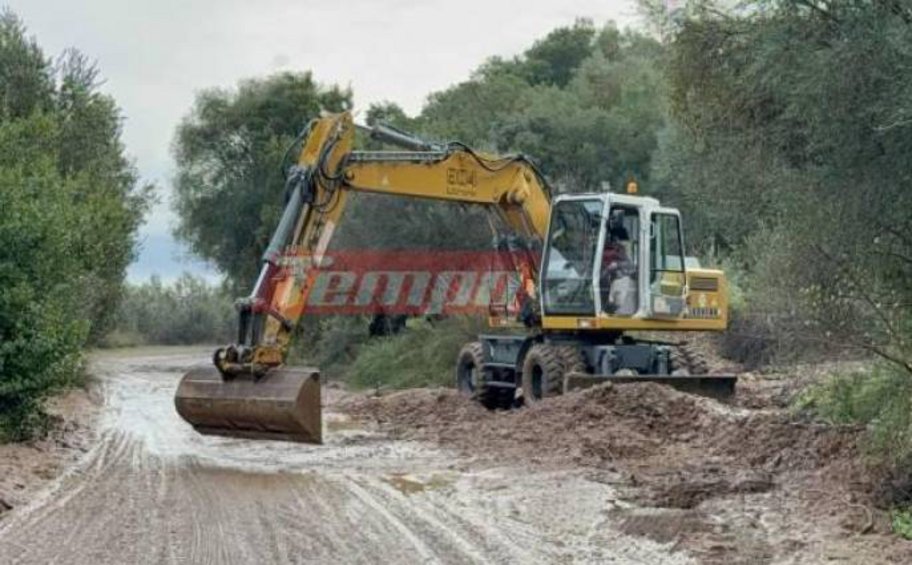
(888, 356)
(896, 6)
(895, 255)
(866, 297)
(818, 9)
(897, 124)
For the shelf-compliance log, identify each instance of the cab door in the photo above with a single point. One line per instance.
(667, 276)
(571, 253)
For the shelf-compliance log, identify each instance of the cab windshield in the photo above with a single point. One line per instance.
(571, 253)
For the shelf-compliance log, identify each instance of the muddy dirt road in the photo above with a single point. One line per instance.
(152, 491)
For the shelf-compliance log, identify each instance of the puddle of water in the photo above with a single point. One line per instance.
(407, 484)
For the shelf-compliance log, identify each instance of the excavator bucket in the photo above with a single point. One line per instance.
(283, 404)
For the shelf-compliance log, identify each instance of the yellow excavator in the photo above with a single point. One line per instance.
(595, 267)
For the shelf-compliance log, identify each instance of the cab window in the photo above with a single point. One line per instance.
(571, 253)
(667, 277)
(620, 261)
(666, 252)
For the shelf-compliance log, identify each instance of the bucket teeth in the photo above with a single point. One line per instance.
(283, 404)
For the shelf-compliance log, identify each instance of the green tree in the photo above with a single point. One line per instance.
(798, 172)
(89, 148)
(554, 59)
(26, 77)
(588, 111)
(70, 210)
(229, 151)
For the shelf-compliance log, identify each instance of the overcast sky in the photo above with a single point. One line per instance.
(156, 54)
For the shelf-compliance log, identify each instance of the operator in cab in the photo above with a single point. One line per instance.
(618, 274)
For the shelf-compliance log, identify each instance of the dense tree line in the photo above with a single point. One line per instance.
(789, 146)
(71, 203)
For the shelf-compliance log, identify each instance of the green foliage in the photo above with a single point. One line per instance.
(797, 172)
(188, 311)
(70, 210)
(39, 276)
(554, 59)
(901, 522)
(26, 77)
(586, 104)
(879, 398)
(329, 342)
(422, 355)
(229, 152)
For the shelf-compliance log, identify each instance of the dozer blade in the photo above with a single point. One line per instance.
(283, 404)
(715, 386)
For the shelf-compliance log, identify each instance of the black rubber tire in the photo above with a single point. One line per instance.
(469, 375)
(573, 359)
(471, 380)
(686, 360)
(543, 373)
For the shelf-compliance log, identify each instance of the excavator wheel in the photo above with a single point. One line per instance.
(685, 360)
(282, 404)
(691, 373)
(469, 365)
(472, 381)
(543, 372)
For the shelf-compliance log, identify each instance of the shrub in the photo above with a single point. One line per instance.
(188, 311)
(879, 398)
(70, 205)
(41, 332)
(902, 522)
(422, 355)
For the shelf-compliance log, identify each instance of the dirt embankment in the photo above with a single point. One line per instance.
(28, 468)
(743, 482)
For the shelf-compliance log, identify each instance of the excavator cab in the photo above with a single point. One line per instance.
(613, 256)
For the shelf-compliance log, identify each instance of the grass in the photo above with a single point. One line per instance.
(902, 522)
(879, 398)
(422, 355)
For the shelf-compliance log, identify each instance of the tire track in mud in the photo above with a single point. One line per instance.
(153, 491)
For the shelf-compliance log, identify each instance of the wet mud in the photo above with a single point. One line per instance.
(150, 490)
(736, 482)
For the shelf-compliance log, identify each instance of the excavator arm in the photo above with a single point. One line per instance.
(249, 392)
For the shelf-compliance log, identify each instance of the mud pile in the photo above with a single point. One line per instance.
(664, 449)
(612, 422)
